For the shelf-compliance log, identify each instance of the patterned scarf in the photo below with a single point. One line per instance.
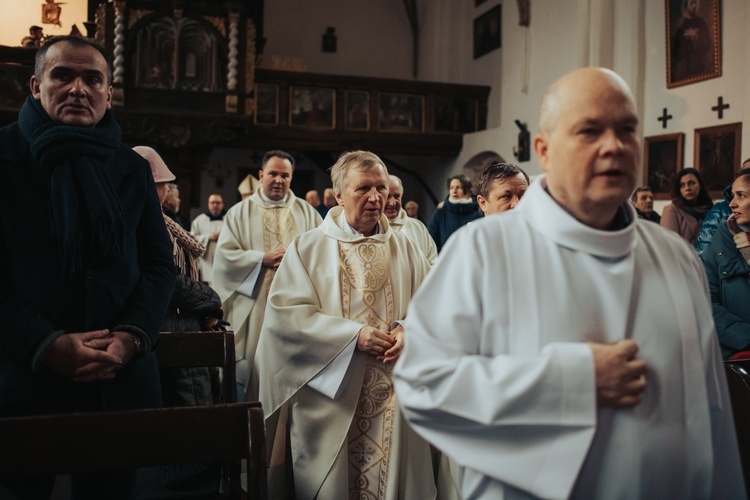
(85, 213)
(185, 249)
(741, 238)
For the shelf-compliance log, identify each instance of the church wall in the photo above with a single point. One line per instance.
(374, 38)
(18, 16)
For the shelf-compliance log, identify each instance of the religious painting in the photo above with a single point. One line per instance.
(312, 107)
(357, 106)
(693, 41)
(455, 114)
(266, 104)
(400, 112)
(662, 160)
(487, 32)
(717, 155)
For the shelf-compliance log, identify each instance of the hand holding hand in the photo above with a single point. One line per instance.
(374, 341)
(620, 375)
(72, 351)
(272, 259)
(392, 354)
(214, 236)
(119, 344)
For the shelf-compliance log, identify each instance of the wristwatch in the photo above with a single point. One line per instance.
(140, 347)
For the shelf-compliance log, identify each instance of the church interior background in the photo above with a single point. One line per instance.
(433, 86)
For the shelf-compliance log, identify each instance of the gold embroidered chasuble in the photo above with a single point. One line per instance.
(355, 445)
(367, 297)
(251, 228)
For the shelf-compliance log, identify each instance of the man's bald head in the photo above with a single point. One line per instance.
(571, 82)
(588, 144)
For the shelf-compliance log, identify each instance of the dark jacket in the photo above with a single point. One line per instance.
(653, 217)
(130, 292)
(451, 216)
(729, 283)
(719, 212)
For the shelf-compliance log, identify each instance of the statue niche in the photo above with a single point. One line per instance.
(178, 54)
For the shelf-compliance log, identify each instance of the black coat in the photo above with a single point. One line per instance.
(131, 291)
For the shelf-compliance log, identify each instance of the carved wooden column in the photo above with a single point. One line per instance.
(232, 63)
(118, 65)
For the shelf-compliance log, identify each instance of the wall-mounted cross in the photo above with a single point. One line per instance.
(664, 117)
(720, 107)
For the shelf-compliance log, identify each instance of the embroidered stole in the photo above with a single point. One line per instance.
(367, 297)
(278, 229)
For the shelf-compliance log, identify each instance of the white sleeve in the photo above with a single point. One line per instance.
(332, 380)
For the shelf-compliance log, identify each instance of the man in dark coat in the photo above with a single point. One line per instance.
(87, 264)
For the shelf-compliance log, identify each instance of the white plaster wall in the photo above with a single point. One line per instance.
(18, 15)
(374, 38)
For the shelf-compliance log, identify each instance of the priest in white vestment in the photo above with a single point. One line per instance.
(566, 349)
(206, 228)
(414, 229)
(328, 343)
(251, 246)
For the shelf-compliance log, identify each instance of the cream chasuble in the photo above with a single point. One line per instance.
(496, 372)
(202, 228)
(330, 283)
(252, 228)
(416, 232)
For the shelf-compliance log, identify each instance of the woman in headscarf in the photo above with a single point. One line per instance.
(690, 204)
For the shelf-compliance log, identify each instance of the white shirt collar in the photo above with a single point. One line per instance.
(349, 229)
(269, 200)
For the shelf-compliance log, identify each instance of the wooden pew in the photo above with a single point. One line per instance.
(201, 349)
(738, 381)
(69, 443)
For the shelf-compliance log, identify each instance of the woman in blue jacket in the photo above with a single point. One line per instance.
(727, 263)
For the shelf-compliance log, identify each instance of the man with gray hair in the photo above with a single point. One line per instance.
(541, 384)
(328, 345)
(400, 221)
(643, 200)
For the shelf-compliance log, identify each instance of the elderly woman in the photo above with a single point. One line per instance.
(194, 307)
(459, 209)
(727, 263)
(690, 204)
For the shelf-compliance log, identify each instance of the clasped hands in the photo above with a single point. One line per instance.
(386, 345)
(90, 356)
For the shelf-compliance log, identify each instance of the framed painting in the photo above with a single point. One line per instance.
(312, 107)
(400, 112)
(357, 106)
(266, 104)
(487, 32)
(662, 159)
(455, 114)
(693, 34)
(717, 155)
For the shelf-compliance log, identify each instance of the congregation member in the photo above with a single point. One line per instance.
(643, 201)
(718, 213)
(690, 204)
(85, 289)
(206, 228)
(727, 263)
(313, 199)
(329, 198)
(542, 385)
(459, 209)
(500, 187)
(412, 209)
(328, 345)
(171, 205)
(251, 246)
(400, 221)
(194, 307)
